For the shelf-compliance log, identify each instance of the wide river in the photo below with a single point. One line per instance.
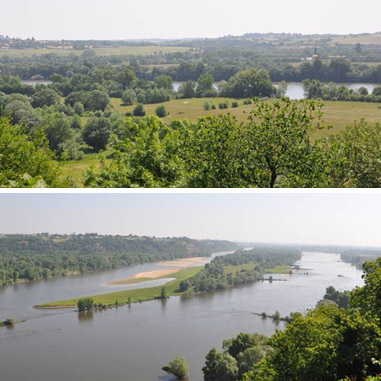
(132, 343)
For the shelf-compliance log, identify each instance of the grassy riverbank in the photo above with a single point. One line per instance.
(122, 297)
(151, 293)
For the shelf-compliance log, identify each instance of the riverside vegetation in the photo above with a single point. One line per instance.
(223, 272)
(101, 100)
(33, 257)
(338, 340)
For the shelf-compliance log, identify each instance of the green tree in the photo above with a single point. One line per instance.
(125, 78)
(187, 89)
(129, 97)
(163, 294)
(161, 111)
(85, 304)
(97, 132)
(44, 97)
(139, 110)
(205, 86)
(96, 100)
(164, 82)
(179, 367)
(38, 170)
(220, 367)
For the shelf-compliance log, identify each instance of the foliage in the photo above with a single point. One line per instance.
(25, 160)
(85, 304)
(97, 132)
(161, 111)
(178, 367)
(36, 257)
(139, 110)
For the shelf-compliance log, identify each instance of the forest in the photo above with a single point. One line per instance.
(34, 257)
(335, 341)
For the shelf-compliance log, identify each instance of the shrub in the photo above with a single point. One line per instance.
(247, 101)
(139, 110)
(207, 105)
(234, 104)
(161, 111)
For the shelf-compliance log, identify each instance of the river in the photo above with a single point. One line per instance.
(295, 90)
(132, 343)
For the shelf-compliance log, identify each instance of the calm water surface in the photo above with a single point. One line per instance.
(132, 343)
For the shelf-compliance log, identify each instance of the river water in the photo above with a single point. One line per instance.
(295, 90)
(132, 343)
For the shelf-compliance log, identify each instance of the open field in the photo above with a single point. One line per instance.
(374, 39)
(283, 269)
(336, 114)
(122, 51)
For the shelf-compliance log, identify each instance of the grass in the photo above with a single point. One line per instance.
(374, 39)
(151, 293)
(337, 114)
(236, 269)
(282, 269)
(122, 51)
(143, 294)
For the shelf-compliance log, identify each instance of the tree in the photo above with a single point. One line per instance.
(125, 78)
(44, 97)
(179, 367)
(187, 89)
(248, 84)
(26, 159)
(327, 344)
(97, 132)
(280, 141)
(78, 108)
(220, 367)
(161, 111)
(205, 86)
(96, 100)
(85, 304)
(129, 97)
(139, 110)
(164, 82)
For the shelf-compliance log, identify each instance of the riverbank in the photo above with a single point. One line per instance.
(130, 296)
(146, 276)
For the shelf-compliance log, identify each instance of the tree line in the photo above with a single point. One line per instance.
(32, 257)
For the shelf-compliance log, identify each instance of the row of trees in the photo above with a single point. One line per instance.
(327, 343)
(333, 92)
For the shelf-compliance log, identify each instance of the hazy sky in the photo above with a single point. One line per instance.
(126, 19)
(349, 219)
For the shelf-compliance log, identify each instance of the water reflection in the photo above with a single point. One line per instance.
(85, 316)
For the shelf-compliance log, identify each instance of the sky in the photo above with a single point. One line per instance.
(313, 218)
(126, 19)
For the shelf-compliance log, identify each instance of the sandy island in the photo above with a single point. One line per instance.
(176, 265)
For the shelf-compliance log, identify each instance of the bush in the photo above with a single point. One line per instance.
(213, 107)
(85, 304)
(234, 104)
(139, 110)
(247, 101)
(223, 106)
(178, 367)
(207, 105)
(161, 111)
